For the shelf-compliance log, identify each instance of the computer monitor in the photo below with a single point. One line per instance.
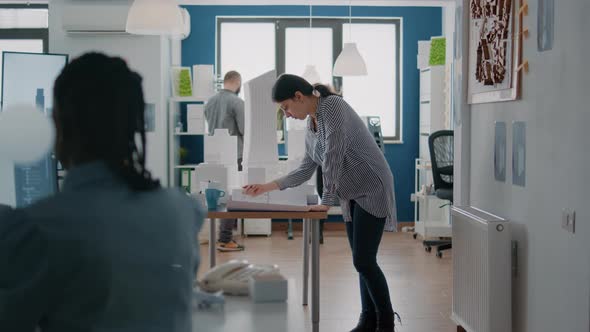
(28, 78)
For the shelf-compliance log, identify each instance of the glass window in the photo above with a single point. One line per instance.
(24, 18)
(18, 45)
(374, 94)
(287, 45)
(23, 28)
(248, 48)
(304, 47)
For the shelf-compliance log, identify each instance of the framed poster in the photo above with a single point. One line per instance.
(545, 25)
(494, 51)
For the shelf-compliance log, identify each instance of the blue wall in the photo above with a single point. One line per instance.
(419, 23)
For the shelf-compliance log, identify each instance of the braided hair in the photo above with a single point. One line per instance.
(99, 116)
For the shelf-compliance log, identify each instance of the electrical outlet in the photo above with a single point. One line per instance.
(568, 220)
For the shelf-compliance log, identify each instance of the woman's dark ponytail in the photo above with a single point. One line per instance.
(324, 90)
(287, 84)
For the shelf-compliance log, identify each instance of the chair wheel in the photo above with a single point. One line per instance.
(428, 248)
(415, 236)
(439, 254)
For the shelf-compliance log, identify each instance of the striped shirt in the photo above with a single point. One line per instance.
(354, 168)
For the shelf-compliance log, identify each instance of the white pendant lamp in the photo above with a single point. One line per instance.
(350, 62)
(311, 73)
(155, 17)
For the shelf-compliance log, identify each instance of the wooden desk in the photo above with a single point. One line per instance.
(311, 220)
(334, 211)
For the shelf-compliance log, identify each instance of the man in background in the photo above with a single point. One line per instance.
(225, 110)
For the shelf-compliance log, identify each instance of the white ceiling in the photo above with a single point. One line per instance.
(321, 2)
(22, 2)
(284, 2)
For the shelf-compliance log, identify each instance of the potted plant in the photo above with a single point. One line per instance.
(182, 154)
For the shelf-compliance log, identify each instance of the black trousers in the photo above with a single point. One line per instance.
(364, 235)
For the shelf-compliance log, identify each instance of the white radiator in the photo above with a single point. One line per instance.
(481, 271)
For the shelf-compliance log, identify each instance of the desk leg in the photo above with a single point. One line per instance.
(290, 230)
(212, 241)
(305, 239)
(315, 274)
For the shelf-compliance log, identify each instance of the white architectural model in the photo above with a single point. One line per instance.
(203, 81)
(295, 196)
(221, 148)
(221, 155)
(261, 160)
(260, 132)
(195, 119)
(295, 199)
(296, 144)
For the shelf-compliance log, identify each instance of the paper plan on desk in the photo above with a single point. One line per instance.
(248, 206)
(273, 201)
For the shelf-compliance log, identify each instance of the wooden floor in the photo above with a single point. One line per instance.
(420, 284)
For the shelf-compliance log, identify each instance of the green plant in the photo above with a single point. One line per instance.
(438, 51)
(182, 154)
(184, 83)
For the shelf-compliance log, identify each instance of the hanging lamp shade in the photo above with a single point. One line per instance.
(350, 62)
(311, 74)
(155, 17)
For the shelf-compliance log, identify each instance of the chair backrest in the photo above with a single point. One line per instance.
(441, 145)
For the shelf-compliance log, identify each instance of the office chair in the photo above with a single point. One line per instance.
(441, 145)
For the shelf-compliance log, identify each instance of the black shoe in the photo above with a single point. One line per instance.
(367, 322)
(386, 322)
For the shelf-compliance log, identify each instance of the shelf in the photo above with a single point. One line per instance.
(418, 196)
(424, 167)
(185, 166)
(188, 134)
(187, 99)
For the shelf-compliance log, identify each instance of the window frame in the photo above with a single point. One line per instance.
(336, 24)
(25, 33)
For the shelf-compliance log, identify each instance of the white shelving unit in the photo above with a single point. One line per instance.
(432, 105)
(187, 134)
(174, 137)
(187, 100)
(193, 166)
(430, 212)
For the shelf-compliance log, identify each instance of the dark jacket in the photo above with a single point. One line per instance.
(99, 257)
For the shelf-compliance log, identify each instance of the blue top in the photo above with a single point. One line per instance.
(99, 257)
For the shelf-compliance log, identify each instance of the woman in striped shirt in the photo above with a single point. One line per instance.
(355, 174)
